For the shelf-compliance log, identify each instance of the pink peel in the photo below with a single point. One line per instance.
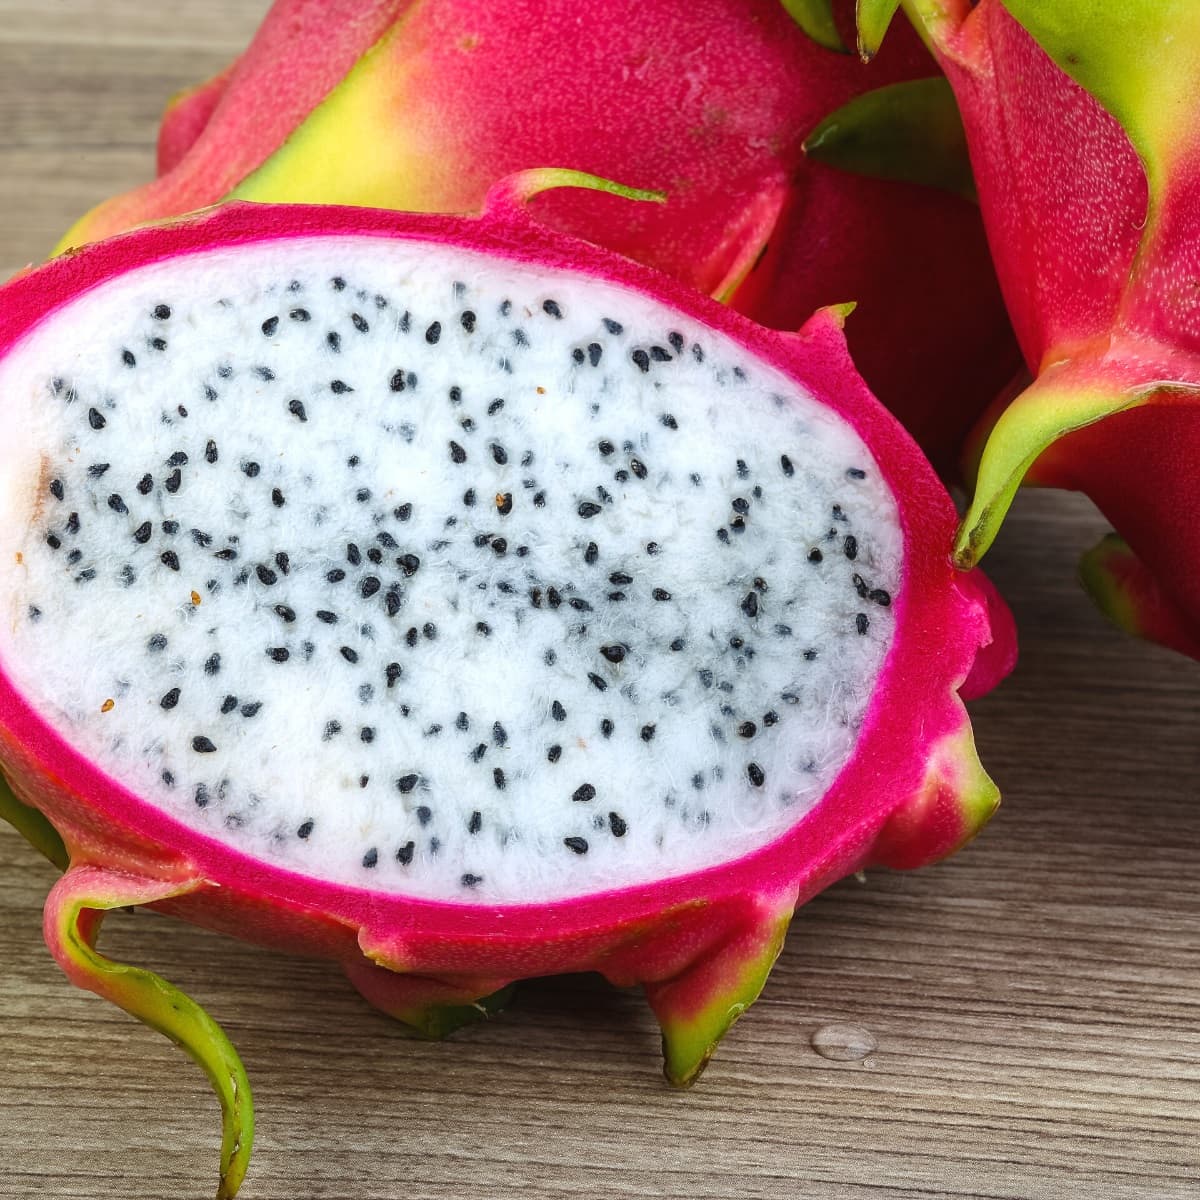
(1092, 218)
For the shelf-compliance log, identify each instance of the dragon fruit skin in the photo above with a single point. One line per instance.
(708, 103)
(1087, 186)
(700, 944)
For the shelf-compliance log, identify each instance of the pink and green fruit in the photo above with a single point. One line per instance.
(1081, 121)
(423, 105)
(463, 603)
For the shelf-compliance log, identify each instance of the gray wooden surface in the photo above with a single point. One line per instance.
(1035, 1003)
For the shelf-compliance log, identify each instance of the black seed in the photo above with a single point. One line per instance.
(617, 825)
(202, 745)
(170, 699)
(369, 586)
(749, 604)
(500, 546)
(723, 534)
(706, 677)
(468, 321)
(128, 359)
(499, 454)
(786, 464)
(251, 710)
(169, 559)
(862, 623)
(755, 772)
(96, 419)
(404, 855)
(270, 326)
(669, 421)
(304, 830)
(647, 732)
(815, 555)
(539, 500)
(677, 644)
(736, 642)
(880, 597)
(577, 354)
(409, 563)
(433, 333)
(741, 504)
(411, 636)
(810, 655)
(334, 341)
(162, 312)
(498, 778)
(850, 546)
(652, 548)
(474, 825)
(339, 388)
(250, 469)
(554, 753)
(613, 327)
(359, 323)
(86, 576)
(457, 453)
(551, 309)
(642, 359)
(594, 352)
(429, 629)
(557, 711)
(349, 654)
(53, 541)
(56, 489)
(424, 813)
(297, 410)
(615, 653)
(638, 467)
(553, 597)
(336, 575)
(279, 654)
(392, 673)
(366, 735)
(584, 792)
(661, 594)
(173, 481)
(606, 727)
(738, 524)
(228, 705)
(210, 452)
(158, 343)
(265, 374)
(588, 509)
(495, 406)
(616, 596)
(96, 470)
(117, 504)
(479, 752)
(579, 604)
(277, 498)
(578, 844)
(406, 783)
(659, 354)
(266, 576)
(332, 729)
(598, 682)
(371, 858)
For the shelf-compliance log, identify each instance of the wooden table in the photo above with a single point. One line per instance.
(1035, 1002)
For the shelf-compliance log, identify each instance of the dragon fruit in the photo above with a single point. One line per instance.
(463, 602)
(707, 102)
(1079, 122)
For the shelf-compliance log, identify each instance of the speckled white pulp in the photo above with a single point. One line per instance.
(405, 568)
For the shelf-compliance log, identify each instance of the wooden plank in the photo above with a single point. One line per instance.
(1035, 1002)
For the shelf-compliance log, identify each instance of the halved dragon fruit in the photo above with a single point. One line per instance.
(463, 603)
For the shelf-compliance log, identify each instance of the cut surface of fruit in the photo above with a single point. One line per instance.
(437, 575)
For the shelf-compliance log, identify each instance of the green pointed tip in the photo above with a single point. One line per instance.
(33, 827)
(873, 18)
(439, 1021)
(151, 999)
(815, 17)
(697, 1008)
(516, 190)
(909, 131)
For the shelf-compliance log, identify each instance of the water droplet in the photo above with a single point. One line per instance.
(843, 1043)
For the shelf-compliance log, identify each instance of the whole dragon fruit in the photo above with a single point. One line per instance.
(422, 105)
(462, 602)
(1082, 123)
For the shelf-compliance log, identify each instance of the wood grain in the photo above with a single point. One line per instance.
(1035, 1002)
